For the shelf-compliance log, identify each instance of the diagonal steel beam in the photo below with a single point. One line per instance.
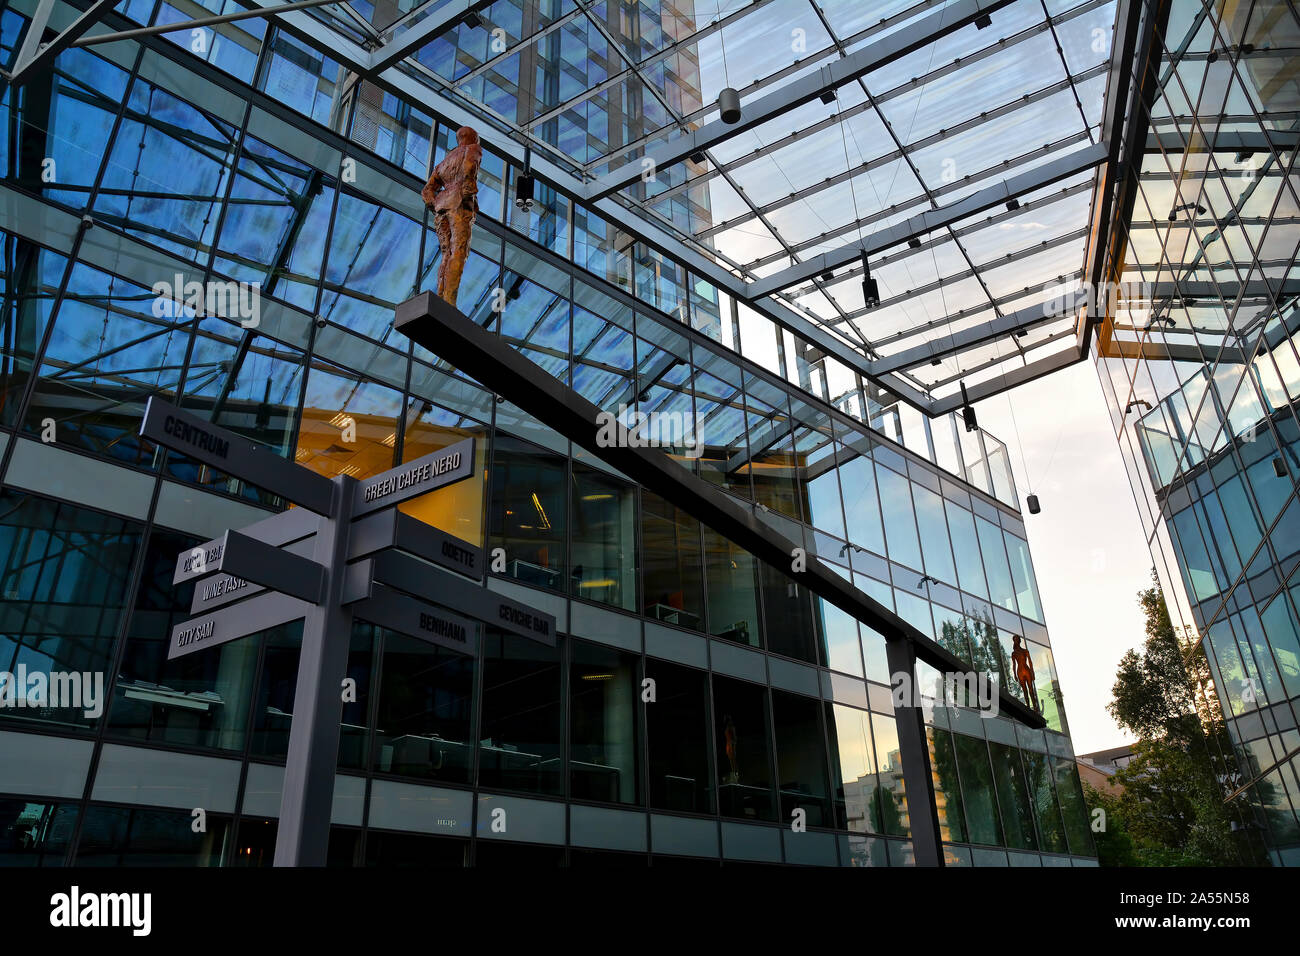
(428, 29)
(804, 90)
(429, 321)
(1020, 376)
(41, 56)
(998, 326)
(933, 219)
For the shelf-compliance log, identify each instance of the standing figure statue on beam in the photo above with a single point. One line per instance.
(451, 194)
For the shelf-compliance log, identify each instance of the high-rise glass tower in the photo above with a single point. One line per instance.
(1201, 373)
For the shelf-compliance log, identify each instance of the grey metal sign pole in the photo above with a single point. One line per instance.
(308, 794)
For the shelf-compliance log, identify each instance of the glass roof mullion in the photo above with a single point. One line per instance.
(936, 137)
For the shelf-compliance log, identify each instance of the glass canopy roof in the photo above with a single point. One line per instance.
(996, 105)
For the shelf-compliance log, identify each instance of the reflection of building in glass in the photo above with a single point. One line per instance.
(278, 158)
(1202, 380)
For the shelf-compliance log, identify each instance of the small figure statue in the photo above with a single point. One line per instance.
(452, 195)
(1024, 672)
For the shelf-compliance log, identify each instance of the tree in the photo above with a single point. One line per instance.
(1171, 811)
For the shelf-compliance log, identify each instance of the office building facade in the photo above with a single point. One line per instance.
(699, 703)
(1201, 377)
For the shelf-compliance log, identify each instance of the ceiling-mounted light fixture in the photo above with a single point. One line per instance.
(870, 288)
(472, 20)
(698, 158)
(729, 106)
(524, 182)
(914, 243)
(983, 22)
(1173, 213)
(1013, 204)
(1279, 467)
(967, 411)
(828, 97)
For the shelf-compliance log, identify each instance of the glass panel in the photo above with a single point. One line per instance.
(603, 564)
(678, 729)
(527, 512)
(604, 690)
(1013, 797)
(35, 834)
(889, 812)
(977, 790)
(199, 700)
(732, 590)
(801, 759)
(673, 589)
(743, 749)
(947, 786)
(64, 574)
(520, 743)
(425, 715)
(855, 768)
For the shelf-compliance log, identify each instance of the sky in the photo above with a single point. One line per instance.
(1087, 544)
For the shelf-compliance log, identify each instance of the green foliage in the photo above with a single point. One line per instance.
(1171, 810)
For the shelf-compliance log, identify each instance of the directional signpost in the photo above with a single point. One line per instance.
(345, 552)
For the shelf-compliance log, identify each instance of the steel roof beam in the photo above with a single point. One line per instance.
(426, 31)
(37, 55)
(804, 90)
(932, 219)
(944, 345)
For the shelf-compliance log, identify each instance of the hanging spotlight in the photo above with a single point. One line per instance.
(983, 22)
(524, 183)
(828, 97)
(698, 158)
(914, 243)
(1279, 467)
(729, 106)
(967, 411)
(1034, 506)
(870, 288)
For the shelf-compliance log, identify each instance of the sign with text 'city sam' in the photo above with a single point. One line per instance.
(345, 551)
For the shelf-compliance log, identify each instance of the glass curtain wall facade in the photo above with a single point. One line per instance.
(249, 161)
(1202, 377)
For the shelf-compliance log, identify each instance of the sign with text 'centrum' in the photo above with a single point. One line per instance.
(416, 477)
(233, 454)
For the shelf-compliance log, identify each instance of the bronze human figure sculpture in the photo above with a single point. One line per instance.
(452, 195)
(1024, 667)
